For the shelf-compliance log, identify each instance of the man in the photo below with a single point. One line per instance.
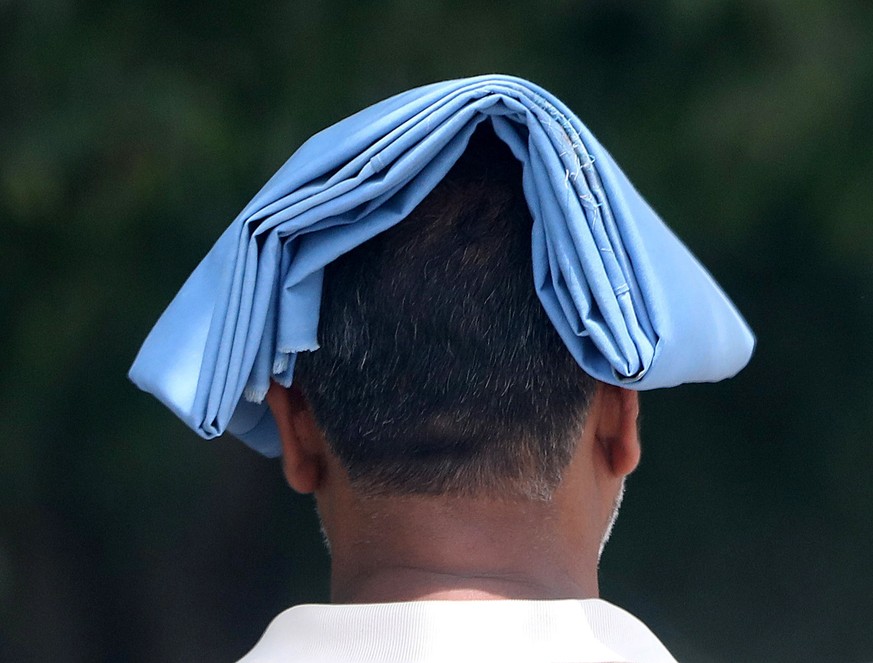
(466, 469)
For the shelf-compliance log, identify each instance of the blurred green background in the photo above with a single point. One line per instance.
(133, 132)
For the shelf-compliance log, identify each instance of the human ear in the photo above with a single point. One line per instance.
(303, 444)
(616, 428)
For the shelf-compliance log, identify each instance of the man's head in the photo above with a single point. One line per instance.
(443, 403)
(439, 371)
(442, 396)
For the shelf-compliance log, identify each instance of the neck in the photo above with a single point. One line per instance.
(420, 548)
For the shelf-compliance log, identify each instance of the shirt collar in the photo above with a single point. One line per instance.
(586, 631)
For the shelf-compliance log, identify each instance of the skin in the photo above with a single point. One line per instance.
(463, 548)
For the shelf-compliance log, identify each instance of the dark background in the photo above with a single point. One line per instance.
(133, 132)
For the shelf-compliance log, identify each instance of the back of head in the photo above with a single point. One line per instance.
(439, 371)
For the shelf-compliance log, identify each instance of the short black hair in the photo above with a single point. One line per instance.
(439, 371)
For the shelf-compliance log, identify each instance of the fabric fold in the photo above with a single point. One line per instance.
(632, 304)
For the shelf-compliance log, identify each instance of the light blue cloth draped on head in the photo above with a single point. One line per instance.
(632, 304)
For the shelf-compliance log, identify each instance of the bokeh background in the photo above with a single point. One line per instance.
(131, 133)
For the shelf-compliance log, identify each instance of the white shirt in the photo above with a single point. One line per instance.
(562, 631)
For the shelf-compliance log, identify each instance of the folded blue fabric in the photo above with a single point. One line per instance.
(632, 304)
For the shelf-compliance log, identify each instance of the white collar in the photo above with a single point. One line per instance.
(585, 631)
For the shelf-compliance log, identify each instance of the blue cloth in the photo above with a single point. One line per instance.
(632, 304)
